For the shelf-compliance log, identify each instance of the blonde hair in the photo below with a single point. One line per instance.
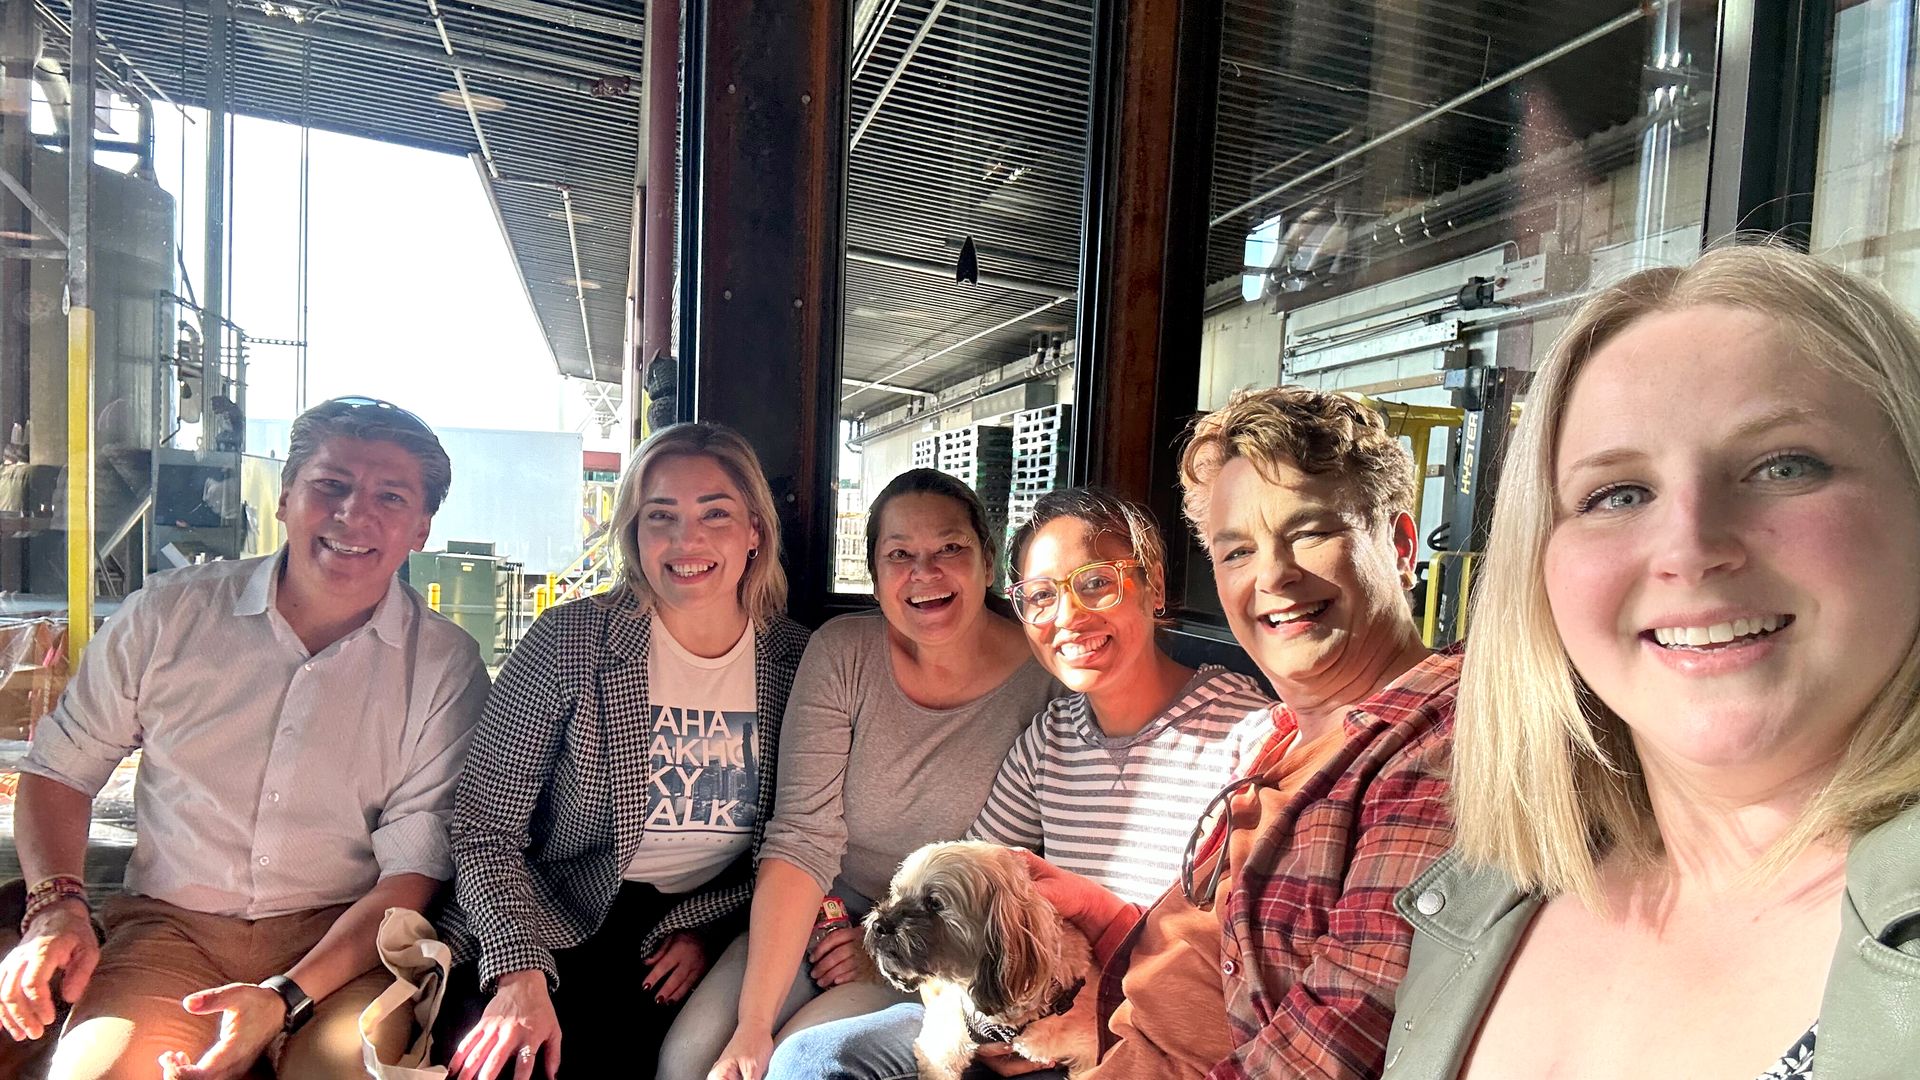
(1546, 780)
(763, 586)
(1319, 433)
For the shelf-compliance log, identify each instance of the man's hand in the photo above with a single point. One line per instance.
(1003, 1060)
(675, 967)
(518, 1025)
(250, 1018)
(60, 941)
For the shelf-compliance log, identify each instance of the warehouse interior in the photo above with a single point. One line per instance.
(1022, 241)
(1398, 199)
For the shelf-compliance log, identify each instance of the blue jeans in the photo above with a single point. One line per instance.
(877, 1046)
(706, 1023)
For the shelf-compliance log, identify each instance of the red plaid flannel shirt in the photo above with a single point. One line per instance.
(1310, 916)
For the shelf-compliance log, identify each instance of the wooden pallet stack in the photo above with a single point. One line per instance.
(982, 456)
(1040, 447)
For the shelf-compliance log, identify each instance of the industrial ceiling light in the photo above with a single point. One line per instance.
(967, 270)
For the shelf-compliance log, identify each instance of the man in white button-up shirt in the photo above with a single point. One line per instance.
(302, 719)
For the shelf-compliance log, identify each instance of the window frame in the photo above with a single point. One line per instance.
(1771, 69)
(1149, 167)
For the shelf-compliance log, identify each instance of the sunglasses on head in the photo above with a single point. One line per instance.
(355, 404)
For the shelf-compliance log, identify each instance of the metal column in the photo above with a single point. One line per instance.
(657, 234)
(762, 187)
(19, 44)
(1486, 392)
(80, 556)
(213, 275)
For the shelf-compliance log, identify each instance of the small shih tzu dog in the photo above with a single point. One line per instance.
(993, 961)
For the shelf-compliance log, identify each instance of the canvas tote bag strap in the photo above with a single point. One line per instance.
(419, 962)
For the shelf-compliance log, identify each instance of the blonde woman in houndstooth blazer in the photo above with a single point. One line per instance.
(622, 777)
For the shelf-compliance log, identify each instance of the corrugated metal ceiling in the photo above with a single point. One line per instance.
(540, 136)
(969, 119)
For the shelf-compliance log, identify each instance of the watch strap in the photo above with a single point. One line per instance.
(299, 1005)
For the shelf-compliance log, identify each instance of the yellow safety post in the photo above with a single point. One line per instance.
(79, 481)
(1420, 436)
(433, 595)
(82, 73)
(1416, 422)
(1466, 587)
(1430, 619)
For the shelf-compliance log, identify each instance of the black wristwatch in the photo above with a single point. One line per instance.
(299, 1005)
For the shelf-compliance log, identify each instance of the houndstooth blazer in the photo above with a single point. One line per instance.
(552, 801)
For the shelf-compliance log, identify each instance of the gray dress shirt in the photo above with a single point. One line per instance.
(271, 780)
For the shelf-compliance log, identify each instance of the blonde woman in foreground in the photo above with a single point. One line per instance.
(1687, 757)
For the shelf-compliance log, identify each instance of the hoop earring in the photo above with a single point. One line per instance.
(752, 554)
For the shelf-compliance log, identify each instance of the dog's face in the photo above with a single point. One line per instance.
(965, 913)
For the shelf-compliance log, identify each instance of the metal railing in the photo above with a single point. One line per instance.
(590, 572)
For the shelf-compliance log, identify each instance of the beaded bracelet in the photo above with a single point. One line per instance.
(50, 892)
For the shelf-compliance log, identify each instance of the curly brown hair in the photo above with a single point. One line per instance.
(1320, 433)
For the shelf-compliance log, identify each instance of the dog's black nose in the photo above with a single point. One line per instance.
(885, 925)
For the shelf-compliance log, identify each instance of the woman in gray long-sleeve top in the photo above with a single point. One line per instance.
(895, 730)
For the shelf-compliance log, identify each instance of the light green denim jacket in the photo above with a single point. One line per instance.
(1466, 922)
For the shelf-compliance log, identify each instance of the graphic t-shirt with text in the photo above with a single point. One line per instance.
(703, 776)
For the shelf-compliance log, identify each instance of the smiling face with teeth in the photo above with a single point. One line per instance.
(1314, 589)
(930, 575)
(1090, 651)
(354, 511)
(1737, 545)
(693, 535)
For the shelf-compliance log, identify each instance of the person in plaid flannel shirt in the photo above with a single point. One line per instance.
(1279, 951)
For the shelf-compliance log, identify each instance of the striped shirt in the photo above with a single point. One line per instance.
(1119, 809)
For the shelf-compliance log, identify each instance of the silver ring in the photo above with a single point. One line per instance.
(526, 1053)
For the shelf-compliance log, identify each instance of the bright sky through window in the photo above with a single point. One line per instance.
(412, 292)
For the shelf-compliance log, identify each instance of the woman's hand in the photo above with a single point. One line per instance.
(840, 956)
(675, 967)
(518, 1026)
(745, 1057)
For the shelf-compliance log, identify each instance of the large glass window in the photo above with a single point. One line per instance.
(968, 163)
(1407, 197)
(431, 204)
(1866, 208)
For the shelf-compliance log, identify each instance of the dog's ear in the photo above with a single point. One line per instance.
(1013, 966)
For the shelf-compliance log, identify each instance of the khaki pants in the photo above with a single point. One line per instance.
(156, 953)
